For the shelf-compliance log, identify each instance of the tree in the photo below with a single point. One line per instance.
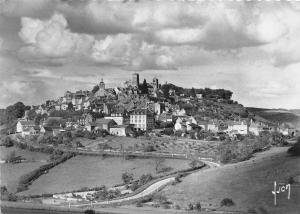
(144, 87)
(198, 206)
(3, 190)
(228, 202)
(190, 206)
(127, 177)
(193, 92)
(70, 106)
(16, 110)
(193, 164)
(95, 89)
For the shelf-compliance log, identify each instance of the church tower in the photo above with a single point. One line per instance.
(101, 84)
(101, 91)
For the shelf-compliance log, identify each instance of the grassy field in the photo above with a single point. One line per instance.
(10, 173)
(160, 144)
(87, 171)
(28, 155)
(248, 184)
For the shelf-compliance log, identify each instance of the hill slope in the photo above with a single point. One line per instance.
(248, 184)
(278, 116)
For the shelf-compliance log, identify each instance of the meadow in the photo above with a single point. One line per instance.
(28, 155)
(93, 171)
(248, 184)
(164, 144)
(10, 173)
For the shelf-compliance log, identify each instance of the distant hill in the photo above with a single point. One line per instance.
(290, 117)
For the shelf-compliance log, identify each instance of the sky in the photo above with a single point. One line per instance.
(249, 47)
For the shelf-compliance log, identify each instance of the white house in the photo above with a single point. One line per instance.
(120, 130)
(142, 119)
(26, 127)
(213, 127)
(237, 127)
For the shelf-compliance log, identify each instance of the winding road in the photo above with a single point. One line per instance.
(148, 191)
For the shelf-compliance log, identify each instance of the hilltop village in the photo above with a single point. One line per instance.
(140, 107)
(143, 136)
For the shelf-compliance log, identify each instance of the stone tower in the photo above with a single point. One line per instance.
(135, 79)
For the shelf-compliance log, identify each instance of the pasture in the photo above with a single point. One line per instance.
(10, 173)
(92, 171)
(248, 184)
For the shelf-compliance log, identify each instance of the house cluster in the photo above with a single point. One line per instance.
(187, 123)
(121, 110)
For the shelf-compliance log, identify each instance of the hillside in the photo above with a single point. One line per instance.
(248, 184)
(278, 115)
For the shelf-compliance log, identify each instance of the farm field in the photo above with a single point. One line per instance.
(248, 184)
(10, 173)
(92, 171)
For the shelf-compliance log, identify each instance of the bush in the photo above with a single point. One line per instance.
(12, 197)
(295, 149)
(177, 207)
(198, 206)
(190, 206)
(193, 164)
(127, 177)
(227, 202)
(8, 142)
(89, 211)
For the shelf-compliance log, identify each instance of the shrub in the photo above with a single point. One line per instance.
(190, 206)
(198, 206)
(145, 178)
(12, 197)
(193, 164)
(227, 202)
(177, 207)
(89, 211)
(127, 177)
(8, 142)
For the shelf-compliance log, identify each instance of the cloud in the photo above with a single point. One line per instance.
(52, 38)
(132, 53)
(51, 41)
(34, 8)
